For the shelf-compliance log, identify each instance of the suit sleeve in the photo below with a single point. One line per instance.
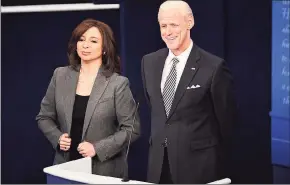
(46, 117)
(224, 102)
(144, 82)
(129, 122)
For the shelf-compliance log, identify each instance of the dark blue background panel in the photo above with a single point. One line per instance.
(280, 83)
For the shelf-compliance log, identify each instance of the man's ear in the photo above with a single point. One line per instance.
(190, 22)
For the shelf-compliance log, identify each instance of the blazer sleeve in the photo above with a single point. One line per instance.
(222, 91)
(46, 117)
(129, 122)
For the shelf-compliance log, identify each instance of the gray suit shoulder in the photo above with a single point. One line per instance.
(60, 71)
(64, 69)
(119, 79)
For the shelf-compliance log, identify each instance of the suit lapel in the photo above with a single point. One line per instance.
(70, 91)
(158, 68)
(98, 89)
(190, 69)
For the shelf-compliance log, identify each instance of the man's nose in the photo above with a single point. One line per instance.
(168, 30)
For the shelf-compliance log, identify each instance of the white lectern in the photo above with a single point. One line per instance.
(80, 172)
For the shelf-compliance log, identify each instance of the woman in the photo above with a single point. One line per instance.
(88, 109)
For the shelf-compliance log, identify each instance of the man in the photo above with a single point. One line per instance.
(189, 92)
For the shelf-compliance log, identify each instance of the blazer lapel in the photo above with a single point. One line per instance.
(190, 69)
(70, 91)
(98, 89)
(158, 68)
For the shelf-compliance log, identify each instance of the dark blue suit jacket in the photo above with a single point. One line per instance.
(199, 125)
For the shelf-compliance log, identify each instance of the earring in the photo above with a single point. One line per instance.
(104, 53)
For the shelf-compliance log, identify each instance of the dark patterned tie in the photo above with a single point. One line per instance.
(169, 87)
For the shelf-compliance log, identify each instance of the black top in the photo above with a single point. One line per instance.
(78, 116)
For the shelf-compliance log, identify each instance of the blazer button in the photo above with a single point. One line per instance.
(165, 143)
(106, 157)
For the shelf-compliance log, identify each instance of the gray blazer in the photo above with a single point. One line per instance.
(108, 120)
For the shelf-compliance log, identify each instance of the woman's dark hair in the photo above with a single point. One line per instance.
(110, 58)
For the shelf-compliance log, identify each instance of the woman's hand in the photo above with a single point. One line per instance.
(86, 149)
(64, 142)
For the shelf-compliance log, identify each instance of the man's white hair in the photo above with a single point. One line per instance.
(179, 5)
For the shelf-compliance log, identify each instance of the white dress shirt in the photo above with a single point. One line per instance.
(179, 66)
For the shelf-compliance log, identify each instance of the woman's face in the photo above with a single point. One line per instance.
(89, 46)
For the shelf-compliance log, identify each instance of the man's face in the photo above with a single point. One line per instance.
(173, 28)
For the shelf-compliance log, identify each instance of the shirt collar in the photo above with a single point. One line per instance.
(183, 55)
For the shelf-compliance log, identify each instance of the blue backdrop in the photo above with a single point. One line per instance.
(35, 43)
(280, 83)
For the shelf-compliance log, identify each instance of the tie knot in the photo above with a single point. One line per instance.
(175, 61)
